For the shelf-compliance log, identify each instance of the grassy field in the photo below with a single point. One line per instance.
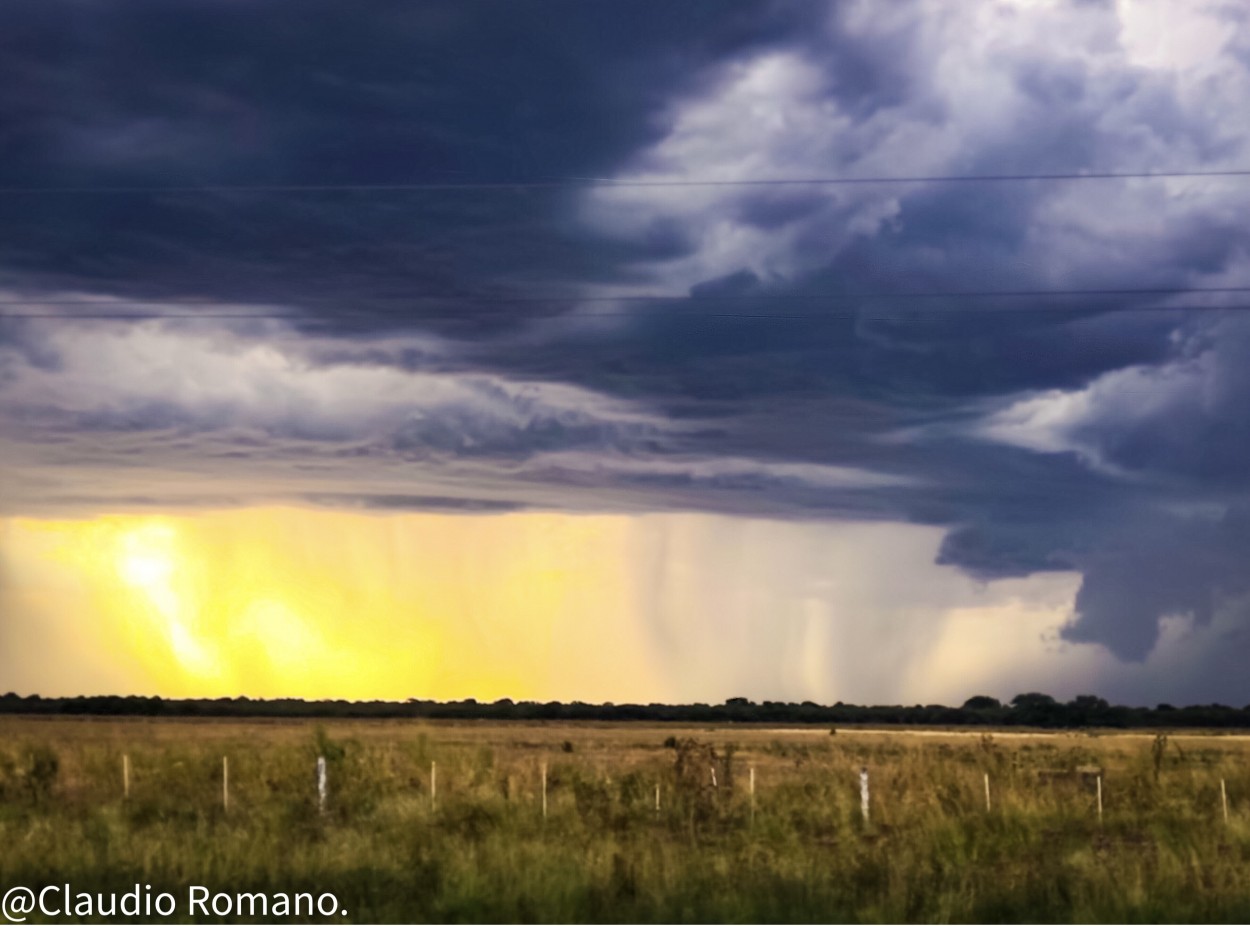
(931, 851)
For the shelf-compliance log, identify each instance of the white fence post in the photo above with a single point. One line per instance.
(863, 792)
(987, 792)
(321, 783)
(752, 788)
(713, 776)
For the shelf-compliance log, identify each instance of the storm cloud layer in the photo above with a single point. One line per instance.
(486, 256)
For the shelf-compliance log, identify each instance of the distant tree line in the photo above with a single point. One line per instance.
(1024, 710)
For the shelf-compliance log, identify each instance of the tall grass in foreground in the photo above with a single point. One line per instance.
(930, 852)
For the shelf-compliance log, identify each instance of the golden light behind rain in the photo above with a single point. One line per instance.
(289, 602)
(298, 603)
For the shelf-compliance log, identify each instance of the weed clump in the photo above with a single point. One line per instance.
(30, 775)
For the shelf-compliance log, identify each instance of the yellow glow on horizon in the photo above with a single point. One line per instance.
(301, 603)
(148, 559)
(676, 607)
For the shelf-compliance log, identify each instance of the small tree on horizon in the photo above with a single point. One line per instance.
(982, 703)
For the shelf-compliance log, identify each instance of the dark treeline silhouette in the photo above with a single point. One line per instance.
(1024, 710)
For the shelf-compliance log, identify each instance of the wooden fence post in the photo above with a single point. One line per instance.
(1099, 798)
(863, 793)
(544, 792)
(125, 775)
(433, 785)
(321, 783)
(987, 792)
(752, 787)
(225, 784)
(1224, 800)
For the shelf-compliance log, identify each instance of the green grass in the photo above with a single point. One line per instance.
(931, 853)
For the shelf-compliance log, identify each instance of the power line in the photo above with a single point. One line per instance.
(692, 316)
(608, 182)
(686, 298)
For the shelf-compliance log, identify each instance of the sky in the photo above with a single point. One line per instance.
(472, 348)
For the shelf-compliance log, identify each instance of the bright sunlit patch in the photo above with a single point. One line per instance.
(298, 603)
(148, 560)
(284, 602)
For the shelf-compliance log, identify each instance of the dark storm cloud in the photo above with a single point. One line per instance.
(417, 503)
(193, 93)
(1092, 433)
(1168, 566)
(1196, 426)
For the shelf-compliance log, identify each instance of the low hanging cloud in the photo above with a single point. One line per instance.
(1180, 432)
(181, 394)
(1186, 418)
(191, 376)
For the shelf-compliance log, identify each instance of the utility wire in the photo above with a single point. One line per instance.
(685, 298)
(606, 182)
(692, 316)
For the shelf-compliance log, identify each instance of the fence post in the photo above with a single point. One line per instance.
(752, 788)
(225, 784)
(987, 792)
(544, 792)
(125, 775)
(1224, 800)
(1099, 798)
(433, 785)
(863, 792)
(657, 797)
(321, 783)
(713, 776)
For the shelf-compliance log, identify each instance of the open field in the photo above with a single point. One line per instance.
(482, 850)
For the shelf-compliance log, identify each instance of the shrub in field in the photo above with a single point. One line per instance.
(1158, 749)
(38, 767)
(702, 778)
(725, 780)
(8, 775)
(355, 777)
(473, 821)
(990, 756)
(632, 790)
(483, 765)
(593, 799)
(326, 747)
